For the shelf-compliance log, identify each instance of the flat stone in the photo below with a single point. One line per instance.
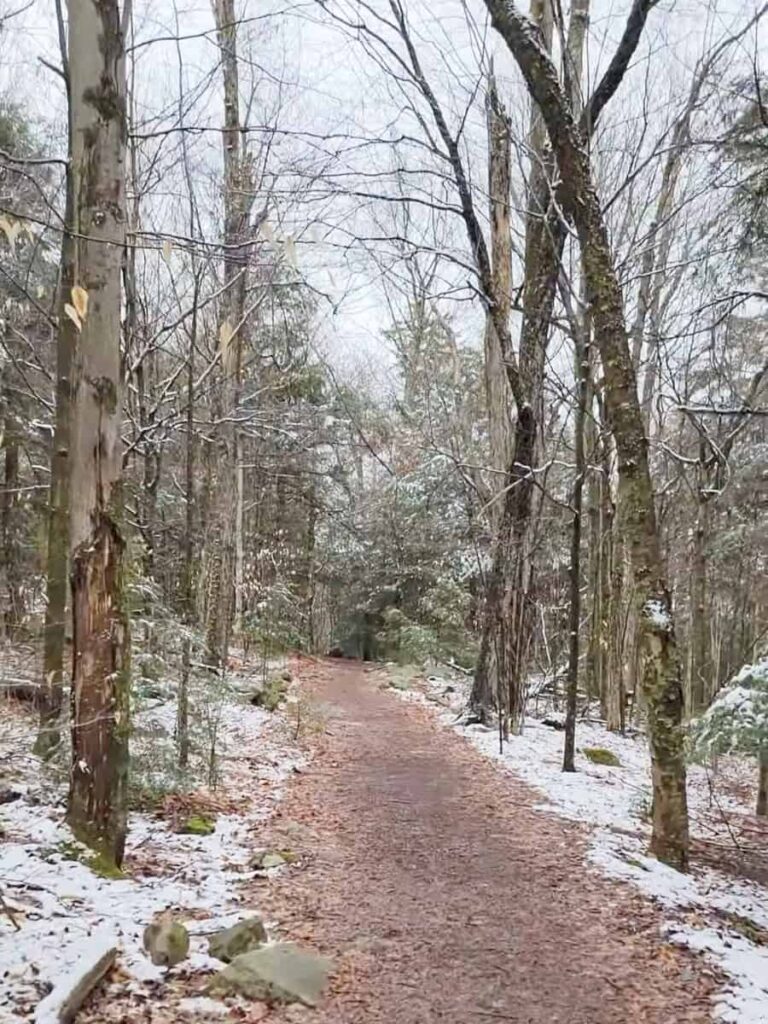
(280, 973)
(239, 938)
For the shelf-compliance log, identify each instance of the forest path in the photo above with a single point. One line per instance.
(444, 896)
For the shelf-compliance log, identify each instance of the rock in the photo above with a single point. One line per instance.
(166, 942)
(280, 973)
(7, 796)
(264, 859)
(240, 938)
(599, 755)
(286, 675)
(197, 825)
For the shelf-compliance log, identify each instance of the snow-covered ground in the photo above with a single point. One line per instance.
(56, 906)
(708, 910)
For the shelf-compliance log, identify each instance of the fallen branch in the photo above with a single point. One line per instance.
(60, 1006)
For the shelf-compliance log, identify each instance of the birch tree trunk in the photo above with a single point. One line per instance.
(661, 671)
(96, 808)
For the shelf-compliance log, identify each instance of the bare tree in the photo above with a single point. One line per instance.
(661, 673)
(96, 807)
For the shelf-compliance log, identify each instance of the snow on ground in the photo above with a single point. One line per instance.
(708, 909)
(57, 906)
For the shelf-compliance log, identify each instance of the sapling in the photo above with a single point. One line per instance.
(737, 722)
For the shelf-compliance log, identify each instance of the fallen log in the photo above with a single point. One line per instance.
(62, 1003)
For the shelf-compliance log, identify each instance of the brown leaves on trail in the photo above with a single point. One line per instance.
(444, 896)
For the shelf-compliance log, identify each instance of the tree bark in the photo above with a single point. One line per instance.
(10, 523)
(96, 808)
(225, 518)
(661, 675)
(54, 637)
(498, 395)
(581, 341)
(761, 809)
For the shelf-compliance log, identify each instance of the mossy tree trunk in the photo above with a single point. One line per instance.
(96, 808)
(661, 670)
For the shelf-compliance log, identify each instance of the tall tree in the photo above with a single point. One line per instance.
(100, 676)
(661, 670)
(226, 518)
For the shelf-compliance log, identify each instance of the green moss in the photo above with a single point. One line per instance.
(198, 825)
(99, 863)
(103, 866)
(748, 928)
(599, 755)
(271, 694)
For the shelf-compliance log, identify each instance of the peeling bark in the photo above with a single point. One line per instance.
(96, 808)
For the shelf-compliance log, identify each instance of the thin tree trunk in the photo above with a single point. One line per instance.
(10, 525)
(97, 806)
(700, 660)
(761, 810)
(581, 341)
(237, 199)
(661, 675)
(498, 395)
(54, 636)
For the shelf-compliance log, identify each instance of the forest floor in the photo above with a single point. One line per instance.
(444, 895)
(422, 864)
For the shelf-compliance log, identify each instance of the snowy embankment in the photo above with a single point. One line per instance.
(717, 912)
(54, 906)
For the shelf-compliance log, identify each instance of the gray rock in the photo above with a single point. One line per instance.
(264, 859)
(280, 973)
(240, 938)
(286, 675)
(166, 942)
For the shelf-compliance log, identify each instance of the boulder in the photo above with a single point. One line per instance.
(240, 938)
(166, 942)
(280, 973)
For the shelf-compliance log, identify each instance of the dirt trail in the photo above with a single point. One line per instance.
(444, 896)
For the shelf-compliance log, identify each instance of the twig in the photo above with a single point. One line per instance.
(9, 913)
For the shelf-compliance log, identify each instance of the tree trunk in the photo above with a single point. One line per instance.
(581, 341)
(701, 661)
(498, 395)
(761, 810)
(237, 199)
(10, 526)
(504, 645)
(54, 637)
(96, 808)
(661, 675)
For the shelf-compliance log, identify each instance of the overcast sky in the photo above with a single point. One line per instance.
(316, 85)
